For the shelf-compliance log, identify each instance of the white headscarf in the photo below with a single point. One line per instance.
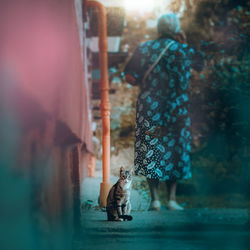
(168, 25)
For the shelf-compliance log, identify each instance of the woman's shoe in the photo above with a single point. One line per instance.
(173, 205)
(155, 206)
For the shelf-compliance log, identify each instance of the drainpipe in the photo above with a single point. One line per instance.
(105, 104)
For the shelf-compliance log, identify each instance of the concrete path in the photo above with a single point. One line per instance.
(188, 229)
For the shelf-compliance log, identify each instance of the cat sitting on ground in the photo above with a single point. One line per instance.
(118, 201)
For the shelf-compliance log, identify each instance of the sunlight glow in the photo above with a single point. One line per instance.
(143, 6)
(140, 5)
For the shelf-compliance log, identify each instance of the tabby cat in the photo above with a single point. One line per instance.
(118, 201)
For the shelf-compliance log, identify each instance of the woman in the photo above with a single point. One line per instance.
(162, 136)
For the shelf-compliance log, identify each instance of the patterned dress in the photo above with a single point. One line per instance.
(162, 133)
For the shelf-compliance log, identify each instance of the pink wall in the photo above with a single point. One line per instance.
(45, 108)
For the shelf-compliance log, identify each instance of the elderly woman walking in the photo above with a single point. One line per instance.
(162, 68)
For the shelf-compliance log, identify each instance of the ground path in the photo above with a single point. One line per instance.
(189, 229)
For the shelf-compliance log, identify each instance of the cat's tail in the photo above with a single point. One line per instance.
(126, 217)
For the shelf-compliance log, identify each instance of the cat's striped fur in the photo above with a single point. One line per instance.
(118, 201)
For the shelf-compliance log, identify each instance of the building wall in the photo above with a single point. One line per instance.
(44, 123)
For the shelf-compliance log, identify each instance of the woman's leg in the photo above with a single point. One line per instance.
(172, 204)
(171, 185)
(153, 187)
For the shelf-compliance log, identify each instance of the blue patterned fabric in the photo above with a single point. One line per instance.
(162, 133)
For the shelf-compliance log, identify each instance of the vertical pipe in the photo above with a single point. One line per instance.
(105, 104)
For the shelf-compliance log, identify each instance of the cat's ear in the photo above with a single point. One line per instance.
(122, 169)
(131, 171)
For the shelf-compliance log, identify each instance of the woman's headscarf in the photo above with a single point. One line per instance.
(168, 25)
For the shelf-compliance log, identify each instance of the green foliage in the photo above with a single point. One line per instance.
(221, 155)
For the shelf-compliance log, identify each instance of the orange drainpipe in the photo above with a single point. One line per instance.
(105, 104)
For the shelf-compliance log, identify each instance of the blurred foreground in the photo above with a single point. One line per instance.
(188, 229)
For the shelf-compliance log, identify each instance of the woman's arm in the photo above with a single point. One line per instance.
(132, 70)
(130, 79)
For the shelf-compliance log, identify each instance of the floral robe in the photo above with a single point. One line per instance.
(162, 133)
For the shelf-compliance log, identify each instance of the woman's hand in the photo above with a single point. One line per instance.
(181, 37)
(130, 79)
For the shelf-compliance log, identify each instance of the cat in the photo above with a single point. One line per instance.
(118, 200)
